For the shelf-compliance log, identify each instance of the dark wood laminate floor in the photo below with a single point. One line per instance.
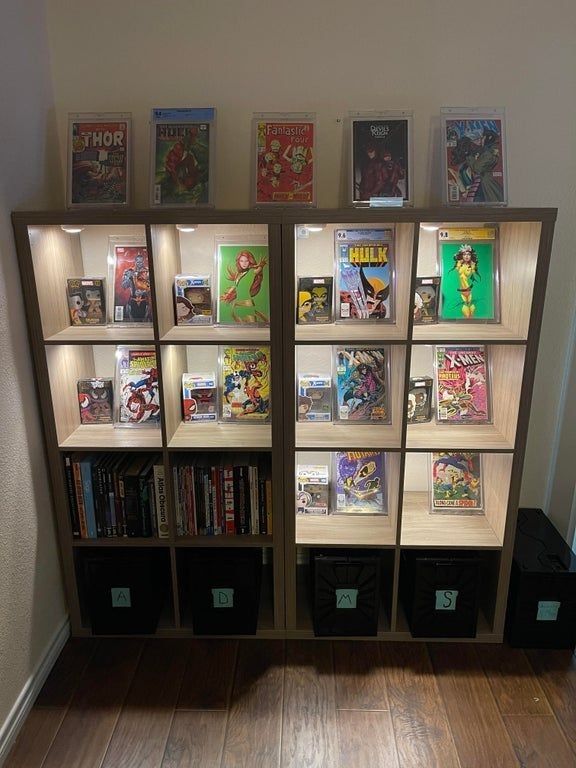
(301, 704)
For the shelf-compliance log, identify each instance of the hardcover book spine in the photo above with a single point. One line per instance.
(88, 492)
(262, 504)
(119, 504)
(269, 506)
(176, 478)
(80, 499)
(160, 497)
(110, 493)
(228, 473)
(74, 519)
(131, 506)
(152, 505)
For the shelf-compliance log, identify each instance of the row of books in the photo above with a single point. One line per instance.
(231, 496)
(116, 495)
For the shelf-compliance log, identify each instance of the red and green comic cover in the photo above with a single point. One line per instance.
(285, 162)
(245, 377)
(243, 284)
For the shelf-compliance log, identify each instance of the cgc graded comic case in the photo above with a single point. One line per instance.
(456, 483)
(462, 384)
(380, 156)
(130, 284)
(86, 300)
(95, 400)
(474, 156)
(426, 300)
(313, 489)
(314, 300)
(245, 384)
(364, 275)
(359, 483)
(243, 290)
(182, 145)
(468, 263)
(362, 384)
(137, 396)
(420, 400)
(99, 160)
(193, 300)
(199, 397)
(284, 159)
(314, 397)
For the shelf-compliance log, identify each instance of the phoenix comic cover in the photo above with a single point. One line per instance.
(462, 384)
(98, 160)
(95, 401)
(130, 279)
(245, 375)
(426, 300)
(313, 489)
(314, 300)
(362, 384)
(364, 265)
(380, 158)
(285, 161)
(137, 386)
(457, 483)
(243, 284)
(199, 397)
(360, 482)
(193, 300)
(314, 397)
(86, 300)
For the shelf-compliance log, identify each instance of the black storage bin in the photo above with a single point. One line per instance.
(542, 598)
(223, 589)
(125, 591)
(440, 593)
(346, 587)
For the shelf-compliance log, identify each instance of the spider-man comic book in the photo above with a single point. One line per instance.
(245, 377)
(137, 386)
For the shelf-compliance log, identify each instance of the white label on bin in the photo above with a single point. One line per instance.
(121, 597)
(223, 598)
(446, 599)
(548, 610)
(346, 598)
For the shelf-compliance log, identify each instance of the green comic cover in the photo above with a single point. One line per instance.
(243, 285)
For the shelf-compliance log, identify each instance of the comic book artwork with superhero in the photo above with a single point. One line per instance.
(137, 386)
(199, 397)
(130, 280)
(314, 300)
(362, 384)
(193, 300)
(457, 483)
(95, 401)
(462, 385)
(469, 269)
(98, 162)
(285, 162)
(313, 489)
(380, 159)
(243, 284)
(365, 274)
(86, 300)
(360, 482)
(474, 158)
(426, 300)
(245, 374)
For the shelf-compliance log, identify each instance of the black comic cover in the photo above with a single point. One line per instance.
(315, 300)
(420, 400)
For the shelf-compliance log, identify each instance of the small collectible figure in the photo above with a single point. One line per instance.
(86, 300)
(193, 297)
(426, 300)
(313, 491)
(314, 397)
(95, 401)
(314, 300)
(199, 397)
(420, 400)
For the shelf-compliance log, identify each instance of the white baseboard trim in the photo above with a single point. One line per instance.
(11, 727)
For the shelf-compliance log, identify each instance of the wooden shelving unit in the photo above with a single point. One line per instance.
(62, 354)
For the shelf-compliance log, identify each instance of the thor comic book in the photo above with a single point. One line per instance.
(130, 281)
(362, 384)
(245, 377)
(457, 483)
(360, 482)
(462, 385)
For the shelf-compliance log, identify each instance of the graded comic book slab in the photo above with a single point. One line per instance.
(243, 284)
(462, 386)
(193, 300)
(130, 283)
(314, 300)
(456, 483)
(313, 489)
(285, 161)
(245, 382)
(137, 387)
(362, 384)
(360, 482)
(86, 300)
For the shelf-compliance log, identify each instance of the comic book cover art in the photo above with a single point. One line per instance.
(245, 384)
(362, 384)
(313, 489)
(365, 273)
(181, 141)
(360, 482)
(380, 158)
(426, 300)
(137, 386)
(193, 300)
(474, 158)
(132, 302)
(469, 269)
(285, 162)
(315, 397)
(199, 397)
(420, 400)
(457, 483)
(98, 157)
(243, 284)
(314, 300)
(86, 300)
(95, 401)
(462, 385)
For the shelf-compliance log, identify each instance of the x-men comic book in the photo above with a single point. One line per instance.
(462, 387)
(362, 384)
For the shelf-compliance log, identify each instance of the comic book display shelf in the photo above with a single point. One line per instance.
(299, 244)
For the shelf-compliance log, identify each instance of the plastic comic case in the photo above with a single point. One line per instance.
(284, 159)
(380, 156)
(359, 482)
(462, 380)
(474, 156)
(129, 282)
(182, 148)
(99, 160)
(137, 396)
(456, 483)
(245, 384)
(243, 287)
(362, 385)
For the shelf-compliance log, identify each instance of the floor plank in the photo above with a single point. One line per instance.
(539, 742)
(309, 717)
(256, 703)
(514, 685)
(61, 683)
(366, 738)
(85, 732)
(195, 740)
(35, 738)
(359, 675)
(209, 675)
(423, 736)
(142, 729)
(475, 721)
(556, 671)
